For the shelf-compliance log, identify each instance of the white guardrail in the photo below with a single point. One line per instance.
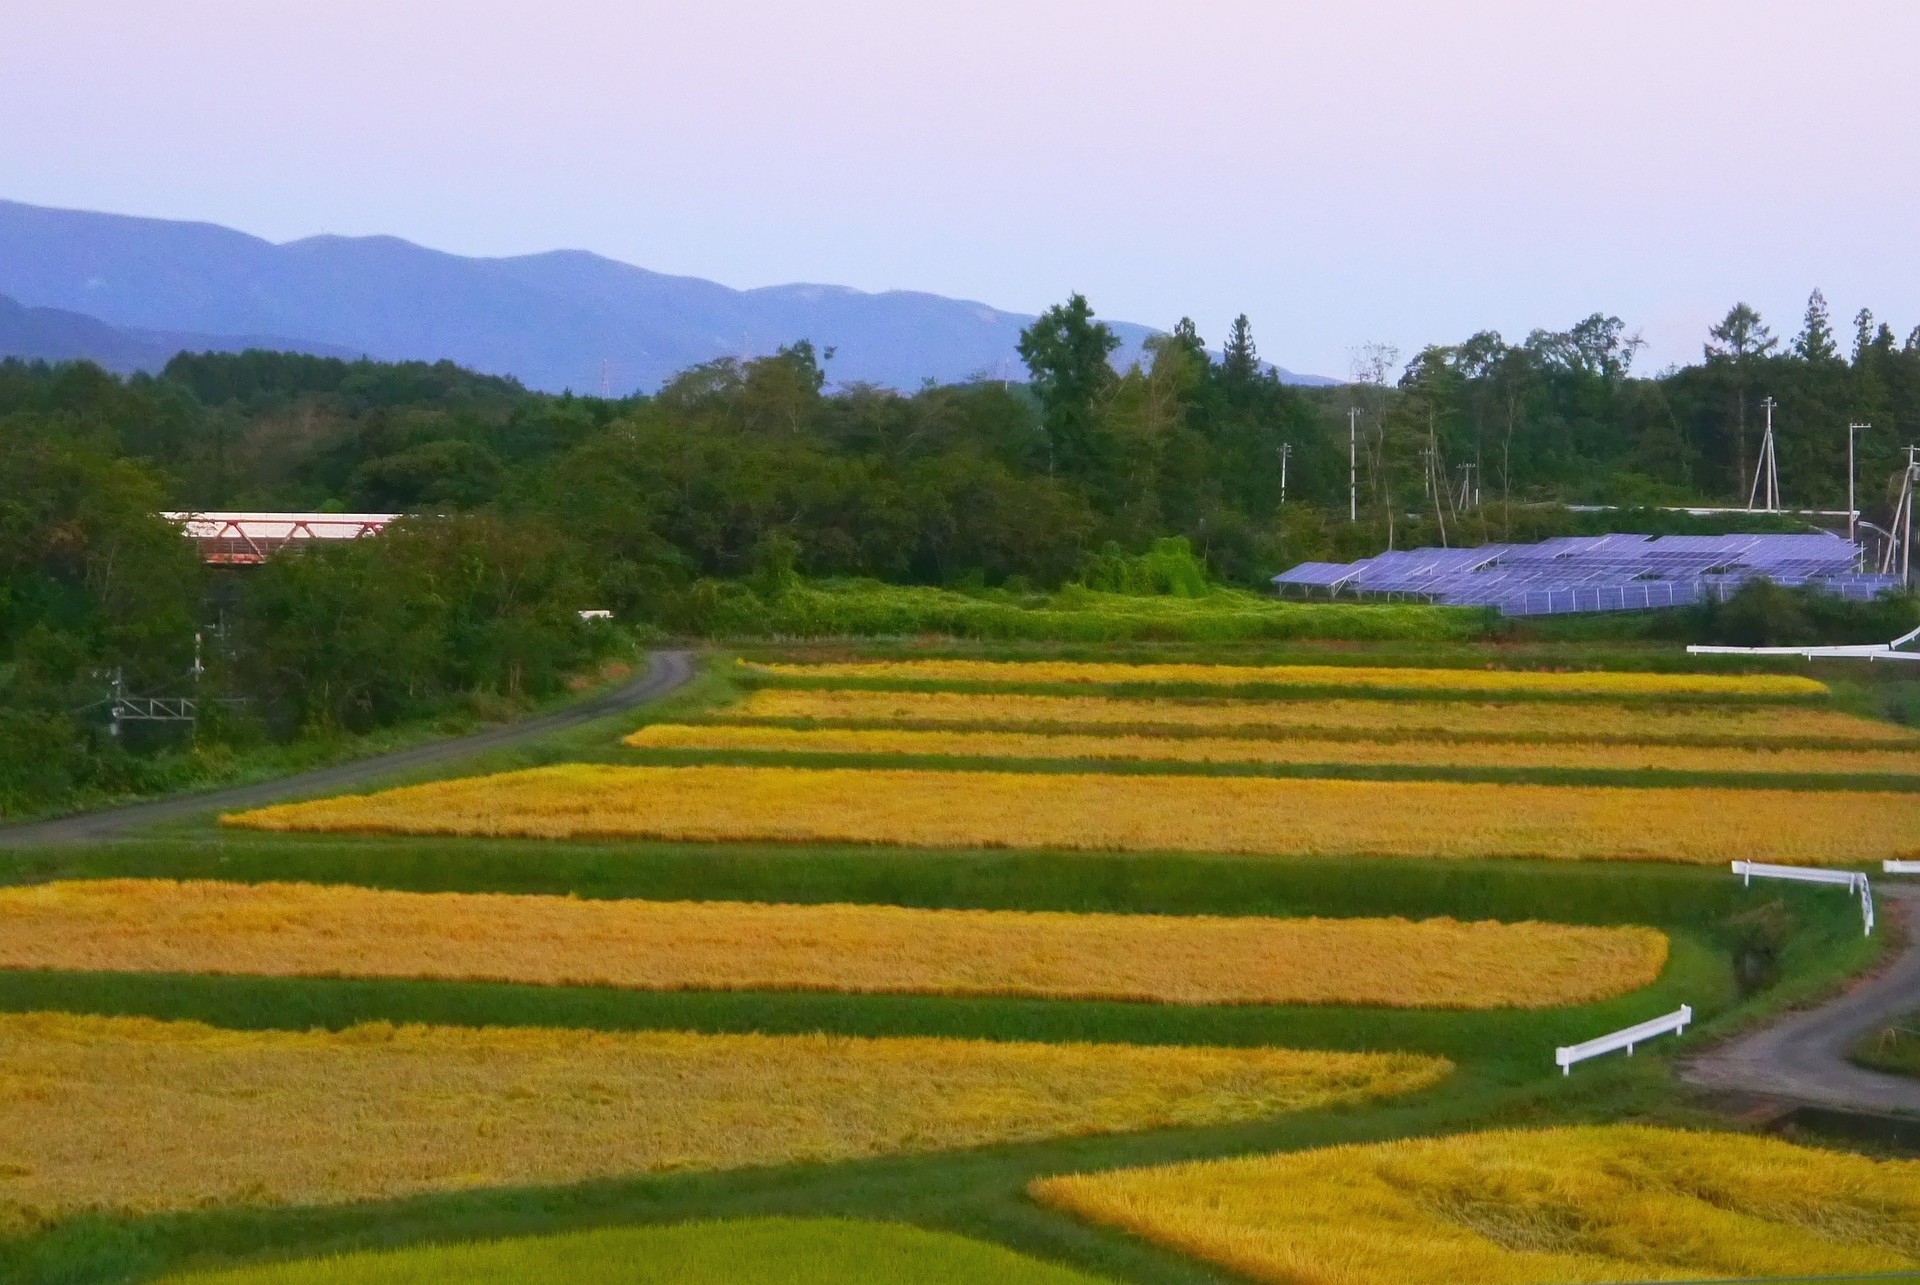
(1674, 1022)
(1901, 867)
(1852, 880)
(1858, 651)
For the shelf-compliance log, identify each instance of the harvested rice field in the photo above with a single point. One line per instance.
(1122, 747)
(1594, 682)
(1249, 815)
(131, 1114)
(1783, 727)
(1618, 1203)
(310, 930)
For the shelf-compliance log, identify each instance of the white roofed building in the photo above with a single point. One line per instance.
(247, 539)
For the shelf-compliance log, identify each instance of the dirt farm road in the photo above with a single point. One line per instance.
(665, 671)
(1803, 1056)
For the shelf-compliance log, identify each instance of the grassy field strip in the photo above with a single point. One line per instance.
(1619, 1203)
(308, 930)
(744, 1251)
(1779, 727)
(1387, 678)
(1220, 749)
(1894, 1049)
(1250, 815)
(134, 1115)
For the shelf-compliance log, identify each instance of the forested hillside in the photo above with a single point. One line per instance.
(694, 509)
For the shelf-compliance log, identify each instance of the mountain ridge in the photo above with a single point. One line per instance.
(56, 335)
(554, 320)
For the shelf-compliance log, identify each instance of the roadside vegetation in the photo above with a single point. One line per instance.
(1894, 1048)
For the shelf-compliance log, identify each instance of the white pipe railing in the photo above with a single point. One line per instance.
(1852, 880)
(1866, 651)
(1674, 1022)
(1901, 867)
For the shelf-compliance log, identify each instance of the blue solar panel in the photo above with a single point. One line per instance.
(1617, 572)
(1318, 574)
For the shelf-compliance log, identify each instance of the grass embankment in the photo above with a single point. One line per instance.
(1252, 815)
(1895, 1049)
(219, 759)
(746, 1251)
(1334, 677)
(1523, 1208)
(312, 930)
(869, 609)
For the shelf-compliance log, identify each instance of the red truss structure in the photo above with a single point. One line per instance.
(248, 539)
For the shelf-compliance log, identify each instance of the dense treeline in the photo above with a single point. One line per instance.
(1561, 414)
(989, 481)
(694, 508)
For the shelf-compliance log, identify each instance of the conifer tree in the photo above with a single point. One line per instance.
(1862, 334)
(1815, 342)
(1239, 361)
(1740, 335)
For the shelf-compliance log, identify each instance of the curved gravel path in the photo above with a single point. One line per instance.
(665, 671)
(1803, 1056)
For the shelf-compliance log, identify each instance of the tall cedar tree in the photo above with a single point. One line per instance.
(1239, 360)
(1815, 342)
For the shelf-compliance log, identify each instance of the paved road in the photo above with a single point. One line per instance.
(665, 670)
(1804, 1056)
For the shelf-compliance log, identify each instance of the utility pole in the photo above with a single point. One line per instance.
(1436, 489)
(1767, 469)
(1353, 464)
(1286, 452)
(1853, 509)
(1907, 515)
(1469, 498)
(1900, 532)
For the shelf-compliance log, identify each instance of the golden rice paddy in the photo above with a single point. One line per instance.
(1386, 678)
(1618, 1203)
(1220, 749)
(1132, 813)
(1779, 726)
(310, 930)
(132, 1115)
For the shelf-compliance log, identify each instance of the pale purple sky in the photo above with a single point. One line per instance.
(1341, 171)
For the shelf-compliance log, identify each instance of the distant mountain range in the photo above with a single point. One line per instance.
(54, 334)
(130, 292)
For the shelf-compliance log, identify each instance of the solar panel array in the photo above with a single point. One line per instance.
(1594, 573)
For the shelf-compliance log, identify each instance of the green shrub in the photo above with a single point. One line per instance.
(865, 608)
(1167, 567)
